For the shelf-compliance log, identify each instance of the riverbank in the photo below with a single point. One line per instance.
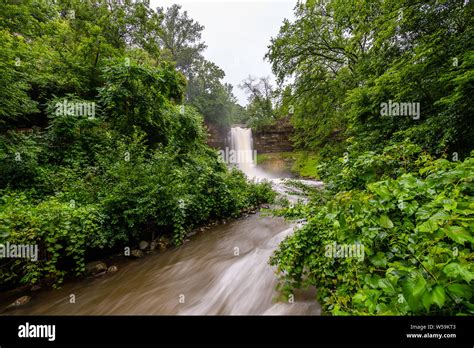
(300, 164)
(107, 265)
(222, 271)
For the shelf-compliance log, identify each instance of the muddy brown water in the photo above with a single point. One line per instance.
(224, 270)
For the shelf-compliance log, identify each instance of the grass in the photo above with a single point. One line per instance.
(301, 163)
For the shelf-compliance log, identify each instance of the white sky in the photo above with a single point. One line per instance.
(237, 33)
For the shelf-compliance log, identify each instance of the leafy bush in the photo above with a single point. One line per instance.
(138, 96)
(130, 192)
(355, 169)
(62, 232)
(417, 236)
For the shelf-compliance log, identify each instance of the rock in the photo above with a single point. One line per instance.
(162, 245)
(265, 206)
(252, 212)
(143, 245)
(112, 269)
(96, 267)
(35, 287)
(136, 253)
(20, 302)
(153, 245)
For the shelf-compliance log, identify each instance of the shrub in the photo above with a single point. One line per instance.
(417, 236)
(62, 231)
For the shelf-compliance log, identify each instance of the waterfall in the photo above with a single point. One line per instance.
(242, 153)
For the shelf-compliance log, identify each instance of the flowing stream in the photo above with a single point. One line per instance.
(223, 270)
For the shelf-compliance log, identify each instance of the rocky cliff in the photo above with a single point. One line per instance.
(275, 138)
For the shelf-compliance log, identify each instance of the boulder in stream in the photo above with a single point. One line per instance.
(19, 302)
(143, 245)
(96, 267)
(137, 253)
(163, 243)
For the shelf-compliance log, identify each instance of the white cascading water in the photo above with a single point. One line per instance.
(222, 271)
(241, 141)
(242, 146)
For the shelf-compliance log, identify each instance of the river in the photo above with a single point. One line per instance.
(223, 270)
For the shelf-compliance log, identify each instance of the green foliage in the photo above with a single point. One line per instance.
(305, 164)
(123, 189)
(382, 189)
(61, 231)
(416, 230)
(135, 96)
(209, 95)
(261, 102)
(180, 37)
(345, 59)
(83, 182)
(354, 169)
(14, 99)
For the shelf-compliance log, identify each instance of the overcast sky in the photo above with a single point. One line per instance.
(237, 33)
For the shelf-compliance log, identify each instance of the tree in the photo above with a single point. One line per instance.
(208, 94)
(138, 96)
(180, 37)
(345, 59)
(261, 100)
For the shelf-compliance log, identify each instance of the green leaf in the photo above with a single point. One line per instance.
(379, 260)
(342, 221)
(459, 234)
(455, 270)
(408, 208)
(419, 286)
(428, 226)
(427, 300)
(460, 290)
(359, 298)
(386, 285)
(438, 296)
(385, 222)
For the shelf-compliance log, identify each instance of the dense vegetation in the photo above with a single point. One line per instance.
(97, 147)
(180, 38)
(399, 184)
